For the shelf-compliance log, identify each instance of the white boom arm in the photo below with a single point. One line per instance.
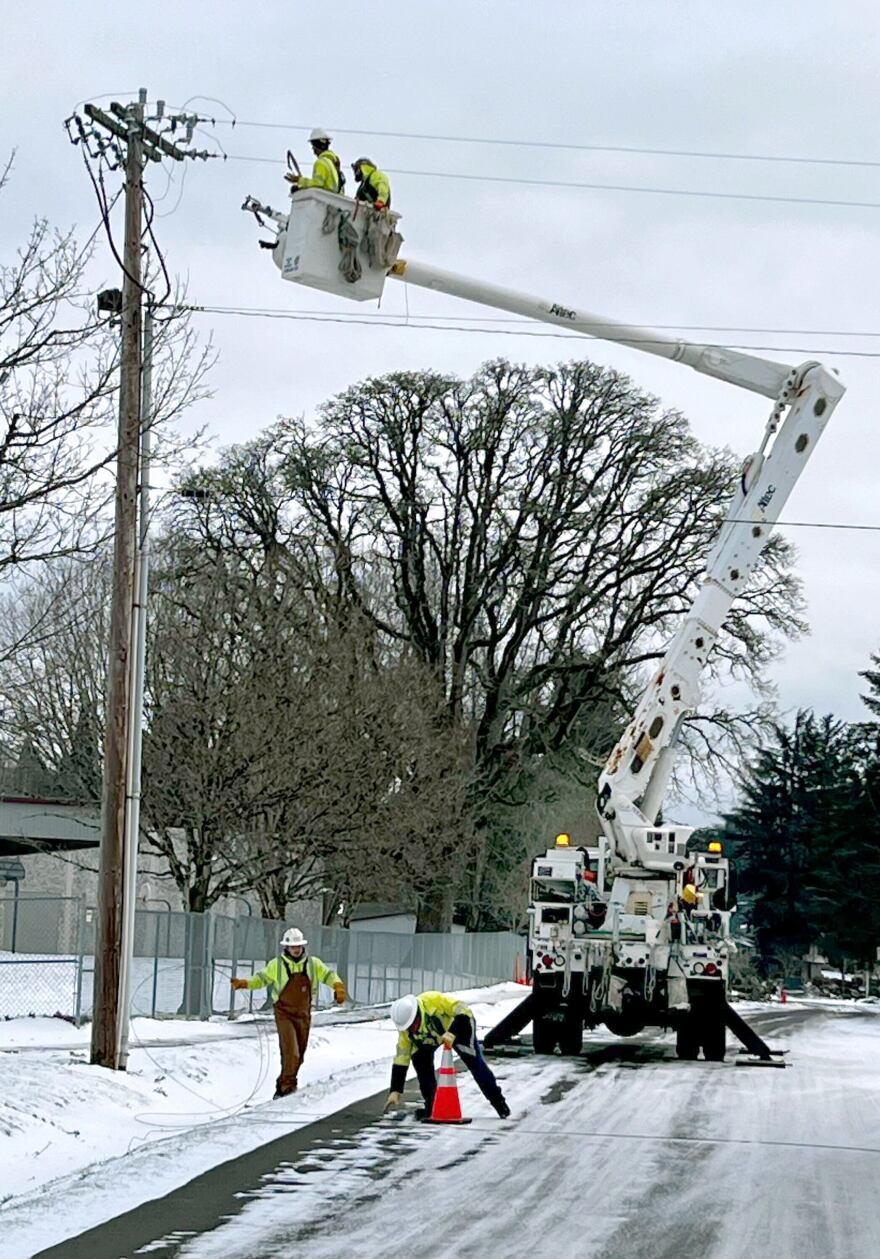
(633, 782)
(635, 778)
(748, 371)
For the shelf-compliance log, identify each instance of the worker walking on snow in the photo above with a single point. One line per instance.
(373, 185)
(292, 978)
(327, 170)
(426, 1022)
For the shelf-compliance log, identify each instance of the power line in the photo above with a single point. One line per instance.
(401, 322)
(368, 321)
(596, 187)
(811, 524)
(522, 319)
(571, 147)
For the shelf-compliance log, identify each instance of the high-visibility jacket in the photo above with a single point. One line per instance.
(276, 973)
(325, 173)
(437, 1015)
(375, 185)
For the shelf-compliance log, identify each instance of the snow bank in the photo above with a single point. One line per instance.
(194, 1095)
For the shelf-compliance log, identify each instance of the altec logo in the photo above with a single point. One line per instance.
(562, 311)
(764, 500)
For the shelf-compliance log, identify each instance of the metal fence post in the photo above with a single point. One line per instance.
(207, 988)
(230, 1013)
(155, 961)
(80, 959)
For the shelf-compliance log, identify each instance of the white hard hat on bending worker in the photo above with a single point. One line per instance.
(424, 1023)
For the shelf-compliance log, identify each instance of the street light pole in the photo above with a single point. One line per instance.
(136, 724)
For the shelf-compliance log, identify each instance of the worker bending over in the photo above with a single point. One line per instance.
(292, 978)
(326, 172)
(426, 1022)
(373, 185)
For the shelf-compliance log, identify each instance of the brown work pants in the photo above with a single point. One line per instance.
(293, 1018)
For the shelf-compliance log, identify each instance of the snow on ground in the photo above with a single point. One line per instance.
(624, 1153)
(179, 1109)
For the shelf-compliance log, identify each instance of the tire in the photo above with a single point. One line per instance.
(712, 1038)
(544, 1035)
(687, 1040)
(571, 1040)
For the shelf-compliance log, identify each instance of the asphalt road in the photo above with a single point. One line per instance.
(624, 1153)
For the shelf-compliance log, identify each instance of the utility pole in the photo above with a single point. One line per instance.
(105, 1048)
(123, 138)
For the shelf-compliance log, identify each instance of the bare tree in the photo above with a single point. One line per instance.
(53, 632)
(58, 380)
(281, 754)
(539, 532)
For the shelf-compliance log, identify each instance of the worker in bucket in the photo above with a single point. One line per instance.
(292, 979)
(373, 185)
(423, 1024)
(327, 170)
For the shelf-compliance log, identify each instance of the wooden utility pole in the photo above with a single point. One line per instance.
(105, 1048)
(122, 137)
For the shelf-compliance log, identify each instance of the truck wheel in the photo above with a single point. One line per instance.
(687, 1040)
(713, 1038)
(571, 1040)
(544, 1035)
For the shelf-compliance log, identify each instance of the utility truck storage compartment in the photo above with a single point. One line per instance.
(338, 245)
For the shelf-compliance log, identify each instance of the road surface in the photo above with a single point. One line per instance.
(624, 1153)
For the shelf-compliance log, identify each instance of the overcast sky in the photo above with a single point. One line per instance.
(784, 79)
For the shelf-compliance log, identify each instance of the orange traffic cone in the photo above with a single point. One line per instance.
(447, 1107)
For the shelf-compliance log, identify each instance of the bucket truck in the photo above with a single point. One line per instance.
(637, 933)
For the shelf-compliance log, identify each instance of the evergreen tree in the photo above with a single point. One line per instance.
(845, 890)
(781, 834)
(872, 677)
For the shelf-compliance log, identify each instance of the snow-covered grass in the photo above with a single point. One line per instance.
(202, 1102)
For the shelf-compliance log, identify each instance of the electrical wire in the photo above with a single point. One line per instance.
(152, 235)
(104, 208)
(222, 1112)
(166, 214)
(400, 322)
(526, 322)
(522, 319)
(570, 146)
(523, 180)
(231, 122)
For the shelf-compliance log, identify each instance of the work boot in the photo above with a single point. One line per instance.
(422, 1113)
(501, 1107)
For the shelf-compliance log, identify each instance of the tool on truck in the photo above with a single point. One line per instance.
(659, 956)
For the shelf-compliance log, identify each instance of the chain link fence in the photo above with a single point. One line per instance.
(183, 962)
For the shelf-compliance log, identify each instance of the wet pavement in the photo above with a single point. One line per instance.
(641, 1127)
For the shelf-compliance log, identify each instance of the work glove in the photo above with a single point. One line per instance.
(292, 178)
(447, 1040)
(339, 993)
(393, 1100)
(378, 205)
(238, 984)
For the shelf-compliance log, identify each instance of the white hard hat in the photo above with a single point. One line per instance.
(293, 938)
(318, 133)
(403, 1011)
